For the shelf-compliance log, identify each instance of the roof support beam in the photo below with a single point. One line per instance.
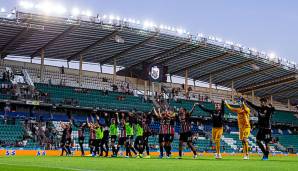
(98, 42)
(126, 51)
(230, 67)
(204, 62)
(270, 83)
(160, 55)
(4, 50)
(59, 36)
(247, 75)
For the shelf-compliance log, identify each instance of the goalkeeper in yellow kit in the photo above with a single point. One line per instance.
(243, 113)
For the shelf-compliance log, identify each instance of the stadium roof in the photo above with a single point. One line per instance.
(103, 40)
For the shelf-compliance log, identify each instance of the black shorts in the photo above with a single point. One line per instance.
(168, 137)
(63, 141)
(113, 138)
(97, 142)
(264, 134)
(161, 138)
(129, 139)
(91, 142)
(139, 140)
(81, 140)
(165, 138)
(145, 139)
(121, 140)
(68, 141)
(185, 137)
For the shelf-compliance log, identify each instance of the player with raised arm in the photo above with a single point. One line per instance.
(113, 134)
(106, 134)
(185, 130)
(166, 131)
(147, 133)
(243, 113)
(160, 116)
(99, 133)
(122, 135)
(129, 125)
(92, 136)
(66, 138)
(217, 117)
(81, 134)
(264, 112)
(138, 144)
(63, 139)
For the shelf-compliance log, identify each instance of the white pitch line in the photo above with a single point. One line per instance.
(63, 168)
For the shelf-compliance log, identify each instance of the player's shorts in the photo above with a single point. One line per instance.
(129, 139)
(161, 138)
(217, 133)
(63, 141)
(185, 137)
(106, 137)
(168, 138)
(113, 138)
(264, 134)
(244, 133)
(68, 141)
(97, 142)
(146, 139)
(81, 140)
(139, 140)
(91, 142)
(121, 140)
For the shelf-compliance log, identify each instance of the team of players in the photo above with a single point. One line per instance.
(122, 128)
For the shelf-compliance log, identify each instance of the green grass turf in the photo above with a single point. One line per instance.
(122, 164)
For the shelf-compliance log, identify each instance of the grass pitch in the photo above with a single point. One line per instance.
(15, 163)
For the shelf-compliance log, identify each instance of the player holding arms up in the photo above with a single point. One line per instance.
(243, 113)
(114, 134)
(185, 130)
(265, 112)
(217, 116)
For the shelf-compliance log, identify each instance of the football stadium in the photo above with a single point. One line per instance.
(84, 91)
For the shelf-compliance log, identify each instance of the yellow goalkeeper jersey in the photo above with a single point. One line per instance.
(243, 115)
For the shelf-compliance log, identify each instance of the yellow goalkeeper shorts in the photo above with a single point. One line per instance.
(217, 133)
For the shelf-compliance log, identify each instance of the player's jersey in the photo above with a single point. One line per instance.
(217, 119)
(146, 127)
(92, 134)
(68, 133)
(81, 132)
(185, 124)
(216, 116)
(64, 134)
(139, 129)
(166, 126)
(113, 129)
(129, 129)
(243, 115)
(264, 115)
(122, 130)
(99, 133)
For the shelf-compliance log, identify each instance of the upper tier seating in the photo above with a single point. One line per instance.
(95, 98)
